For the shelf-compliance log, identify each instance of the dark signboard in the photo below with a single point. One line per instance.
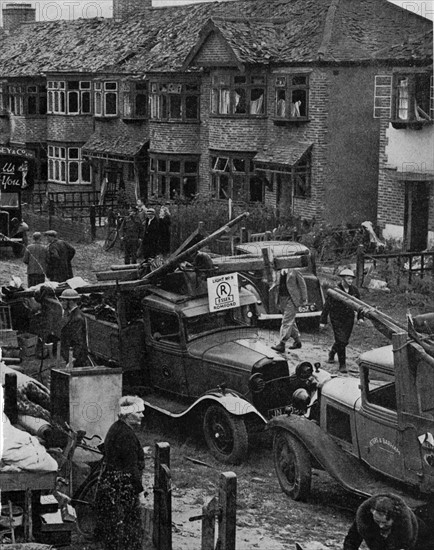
(16, 169)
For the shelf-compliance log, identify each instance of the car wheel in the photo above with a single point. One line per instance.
(293, 466)
(225, 435)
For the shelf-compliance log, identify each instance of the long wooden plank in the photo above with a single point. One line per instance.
(121, 275)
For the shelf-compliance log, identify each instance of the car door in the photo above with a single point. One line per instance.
(377, 423)
(166, 353)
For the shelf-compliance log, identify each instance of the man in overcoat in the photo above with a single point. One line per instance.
(73, 333)
(341, 318)
(60, 254)
(132, 234)
(151, 237)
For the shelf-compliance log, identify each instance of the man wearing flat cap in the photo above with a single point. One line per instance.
(60, 254)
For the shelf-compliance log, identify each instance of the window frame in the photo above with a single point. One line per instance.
(167, 98)
(224, 93)
(162, 176)
(61, 92)
(131, 91)
(229, 182)
(417, 115)
(61, 160)
(101, 94)
(286, 83)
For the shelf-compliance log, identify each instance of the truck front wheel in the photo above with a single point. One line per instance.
(292, 464)
(225, 435)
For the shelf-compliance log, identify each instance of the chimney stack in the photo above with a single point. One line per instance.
(15, 14)
(123, 8)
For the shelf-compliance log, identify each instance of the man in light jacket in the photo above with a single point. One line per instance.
(36, 257)
(292, 294)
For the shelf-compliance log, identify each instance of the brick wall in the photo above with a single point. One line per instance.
(69, 129)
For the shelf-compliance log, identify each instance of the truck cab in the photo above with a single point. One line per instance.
(210, 368)
(372, 434)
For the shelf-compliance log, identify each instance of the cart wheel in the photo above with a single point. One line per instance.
(225, 435)
(112, 236)
(84, 504)
(293, 466)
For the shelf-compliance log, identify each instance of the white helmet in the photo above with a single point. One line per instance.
(347, 273)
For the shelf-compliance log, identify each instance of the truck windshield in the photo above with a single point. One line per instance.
(380, 389)
(212, 322)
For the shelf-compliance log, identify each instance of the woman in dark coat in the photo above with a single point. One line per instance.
(119, 524)
(341, 318)
(385, 522)
(164, 226)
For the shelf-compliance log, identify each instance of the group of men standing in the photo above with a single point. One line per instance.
(144, 235)
(51, 260)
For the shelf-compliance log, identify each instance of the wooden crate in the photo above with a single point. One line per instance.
(8, 338)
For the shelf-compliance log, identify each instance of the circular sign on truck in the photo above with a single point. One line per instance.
(223, 292)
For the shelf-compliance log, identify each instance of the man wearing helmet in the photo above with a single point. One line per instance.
(73, 333)
(341, 318)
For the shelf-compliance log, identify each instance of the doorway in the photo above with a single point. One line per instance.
(416, 212)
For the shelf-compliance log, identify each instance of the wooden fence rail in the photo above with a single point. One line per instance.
(398, 267)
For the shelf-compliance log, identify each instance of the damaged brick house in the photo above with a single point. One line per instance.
(404, 105)
(267, 101)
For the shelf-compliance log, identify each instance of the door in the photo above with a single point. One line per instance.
(165, 353)
(377, 424)
(283, 192)
(416, 212)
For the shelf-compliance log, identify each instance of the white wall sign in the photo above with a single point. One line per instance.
(223, 292)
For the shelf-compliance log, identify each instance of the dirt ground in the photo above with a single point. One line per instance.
(266, 518)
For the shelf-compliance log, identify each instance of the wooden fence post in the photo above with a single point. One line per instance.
(50, 212)
(162, 531)
(228, 507)
(208, 524)
(92, 219)
(244, 235)
(360, 265)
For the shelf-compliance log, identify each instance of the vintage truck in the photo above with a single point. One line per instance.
(16, 174)
(374, 433)
(210, 368)
(260, 267)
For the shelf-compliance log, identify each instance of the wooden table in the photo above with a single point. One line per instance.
(27, 482)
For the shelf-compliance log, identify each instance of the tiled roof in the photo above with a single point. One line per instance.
(258, 31)
(419, 47)
(115, 142)
(284, 153)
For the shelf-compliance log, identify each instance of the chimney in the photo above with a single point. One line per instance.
(15, 14)
(123, 8)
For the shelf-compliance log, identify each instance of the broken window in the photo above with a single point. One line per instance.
(413, 98)
(238, 94)
(174, 101)
(174, 176)
(291, 96)
(233, 177)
